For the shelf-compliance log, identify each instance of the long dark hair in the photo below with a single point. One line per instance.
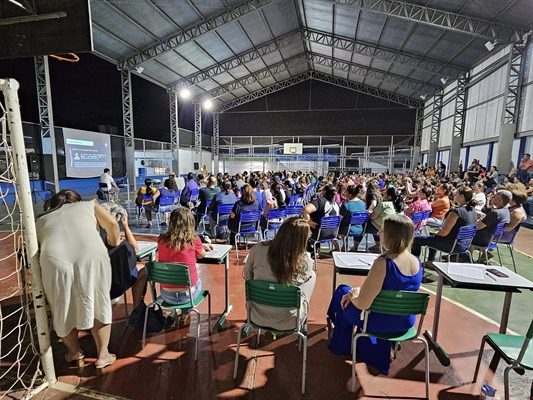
(58, 200)
(329, 192)
(396, 199)
(353, 190)
(276, 188)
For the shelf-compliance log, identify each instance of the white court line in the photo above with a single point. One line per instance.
(477, 314)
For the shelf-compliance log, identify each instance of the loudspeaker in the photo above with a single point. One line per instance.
(34, 164)
(196, 166)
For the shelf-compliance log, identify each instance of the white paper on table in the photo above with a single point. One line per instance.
(357, 259)
(143, 246)
(466, 271)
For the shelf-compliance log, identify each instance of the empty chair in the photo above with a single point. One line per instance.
(293, 200)
(517, 351)
(203, 217)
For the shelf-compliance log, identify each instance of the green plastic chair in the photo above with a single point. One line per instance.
(515, 350)
(394, 302)
(175, 274)
(275, 295)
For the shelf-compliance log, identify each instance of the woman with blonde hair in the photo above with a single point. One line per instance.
(180, 245)
(283, 260)
(396, 269)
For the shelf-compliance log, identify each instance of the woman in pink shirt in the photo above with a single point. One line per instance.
(180, 245)
(423, 203)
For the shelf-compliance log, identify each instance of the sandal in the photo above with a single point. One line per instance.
(183, 318)
(80, 360)
(100, 369)
(149, 226)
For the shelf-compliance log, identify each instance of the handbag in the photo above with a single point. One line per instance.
(155, 322)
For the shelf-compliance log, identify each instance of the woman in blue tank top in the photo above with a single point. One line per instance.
(396, 269)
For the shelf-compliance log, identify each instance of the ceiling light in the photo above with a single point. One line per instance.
(139, 69)
(185, 94)
(17, 3)
(423, 96)
(208, 104)
(444, 80)
(490, 45)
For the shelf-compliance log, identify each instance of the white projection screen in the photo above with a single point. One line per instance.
(87, 153)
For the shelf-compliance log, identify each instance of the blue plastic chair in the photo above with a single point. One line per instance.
(294, 211)
(275, 218)
(177, 195)
(293, 200)
(166, 204)
(359, 218)
(509, 242)
(247, 218)
(418, 218)
(498, 231)
(202, 217)
(142, 206)
(223, 210)
(333, 222)
(194, 195)
(464, 237)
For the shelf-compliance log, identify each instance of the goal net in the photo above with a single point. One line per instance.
(26, 364)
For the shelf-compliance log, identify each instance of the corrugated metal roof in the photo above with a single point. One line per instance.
(238, 47)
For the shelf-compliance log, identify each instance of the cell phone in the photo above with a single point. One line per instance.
(499, 274)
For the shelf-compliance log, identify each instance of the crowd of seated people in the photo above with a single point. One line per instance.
(454, 200)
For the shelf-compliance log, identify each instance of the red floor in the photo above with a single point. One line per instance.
(166, 369)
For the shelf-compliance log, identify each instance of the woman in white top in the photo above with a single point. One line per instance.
(283, 260)
(479, 196)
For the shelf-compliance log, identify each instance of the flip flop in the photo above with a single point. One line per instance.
(100, 369)
(80, 360)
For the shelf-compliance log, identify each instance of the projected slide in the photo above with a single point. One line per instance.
(87, 153)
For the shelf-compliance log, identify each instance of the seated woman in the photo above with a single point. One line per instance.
(169, 189)
(123, 257)
(392, 204)
(180, 245)
(441, 206)
(276, 201)
(396, 269)
(323, 206)
(464, 214)
(421, 204)
(247, 203)
(479, 196)
(353, 205)
(282, 260)
(149, 205)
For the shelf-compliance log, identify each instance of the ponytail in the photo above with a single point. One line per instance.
(471, 204)
(396, 199)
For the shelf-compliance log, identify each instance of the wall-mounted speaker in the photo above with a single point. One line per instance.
(196, 166)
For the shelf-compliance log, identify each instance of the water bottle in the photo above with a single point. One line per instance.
(487, 392)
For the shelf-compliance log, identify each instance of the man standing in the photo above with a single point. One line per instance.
(525, 168)
(112, 187)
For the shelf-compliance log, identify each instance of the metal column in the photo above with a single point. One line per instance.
(419, 123)
(198, 129)
(174, 131)
(510, 110)
(46, 114)
(216, 130)
(458, 122)
(127, 118)
(435, 129)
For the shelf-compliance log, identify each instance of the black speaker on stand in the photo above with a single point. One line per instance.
(196, 166)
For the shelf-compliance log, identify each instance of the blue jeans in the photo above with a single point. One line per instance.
(177, 298)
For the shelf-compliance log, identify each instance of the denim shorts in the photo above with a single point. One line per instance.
(178, 298)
